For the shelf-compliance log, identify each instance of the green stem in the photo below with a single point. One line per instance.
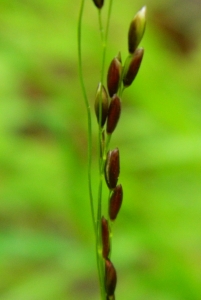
(96, 229)
(104, 37)
(102, 153)
(97, 226)
(88, 113)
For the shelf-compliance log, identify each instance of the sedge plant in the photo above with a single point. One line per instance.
(107, 107)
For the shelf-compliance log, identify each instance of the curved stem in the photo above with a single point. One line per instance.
(88, 112)
(96, 228)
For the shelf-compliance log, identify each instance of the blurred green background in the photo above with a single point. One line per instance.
(46, 237)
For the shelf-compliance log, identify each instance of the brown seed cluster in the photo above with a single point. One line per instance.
(108, 110)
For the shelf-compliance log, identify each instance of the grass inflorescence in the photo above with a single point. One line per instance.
(107, 106)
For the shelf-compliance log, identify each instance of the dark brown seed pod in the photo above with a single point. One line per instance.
(110, 278)
(115, 202)
(136, 30)
(112, 168)
(114, 75)
(114, 112)
(101, 97)
(132, 66)
(105, 238)
(98, 3)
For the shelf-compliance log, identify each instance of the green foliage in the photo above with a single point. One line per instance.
(46, 234)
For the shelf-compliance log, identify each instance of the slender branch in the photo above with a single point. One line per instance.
(102, 154)
(79, 32)
(104, 37)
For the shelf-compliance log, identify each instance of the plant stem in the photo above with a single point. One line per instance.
(88, 113)
(104, 37)
(102, 155)
(95, 225)
(102, 149)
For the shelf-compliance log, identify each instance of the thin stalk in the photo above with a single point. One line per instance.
(102, 152)
(100, 269)
(79, 32)
(110, 224)
(103, 40)
(99, 209)
(109, 136)
(104, 37)
(97, 228)
(100, 138)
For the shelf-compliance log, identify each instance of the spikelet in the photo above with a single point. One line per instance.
(114, 75)
(132, 66)
(110, 278)
(115, 202)
(114, 112)
(101, 97)
(136, 30)
(112, 168)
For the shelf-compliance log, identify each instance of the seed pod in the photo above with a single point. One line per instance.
(98, 3)
(110, 278)
(114, 112)
(112, 168)
(101, 98)
(105, 238)
(114, 75)
(132, 66)
(136, 30)
(115, 202)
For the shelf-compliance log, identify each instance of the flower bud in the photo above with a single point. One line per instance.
(114, 75)
(105, 238)
(110, 278)
(98, 3)
(101, 98)
(132, 66)
(114, 112)
(112, 168)
(115, 202)
(136, 30)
